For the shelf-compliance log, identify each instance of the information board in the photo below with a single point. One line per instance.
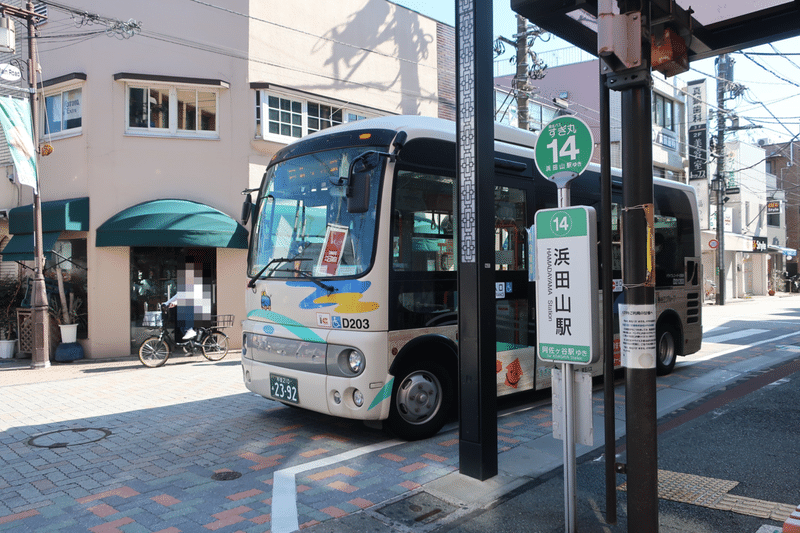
(567, 285)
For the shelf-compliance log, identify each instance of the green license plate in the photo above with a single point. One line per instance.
(283, 388)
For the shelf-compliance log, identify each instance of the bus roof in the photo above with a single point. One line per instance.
(507, 138)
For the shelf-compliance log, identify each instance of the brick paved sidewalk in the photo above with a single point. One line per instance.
(115, 446)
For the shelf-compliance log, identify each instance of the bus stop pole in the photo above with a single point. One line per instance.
(568, 420)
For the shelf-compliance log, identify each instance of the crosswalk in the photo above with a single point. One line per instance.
(745, 338)
(733, 335)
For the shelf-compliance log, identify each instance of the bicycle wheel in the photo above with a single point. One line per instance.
(153, 352)
(215, 346)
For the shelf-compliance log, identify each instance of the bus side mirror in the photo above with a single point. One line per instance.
(247, 209)
(358, 183)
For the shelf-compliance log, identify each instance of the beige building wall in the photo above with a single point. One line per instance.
(369, 54)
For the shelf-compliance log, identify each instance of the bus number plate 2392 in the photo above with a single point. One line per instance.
(283, 388)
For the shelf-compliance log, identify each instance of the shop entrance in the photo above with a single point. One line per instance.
(159, 274)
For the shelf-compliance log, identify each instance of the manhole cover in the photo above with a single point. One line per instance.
(421, 508)
(63, 438)
(227, 475)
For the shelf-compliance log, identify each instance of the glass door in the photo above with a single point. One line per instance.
(516, 353)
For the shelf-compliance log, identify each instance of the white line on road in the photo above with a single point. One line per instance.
(284, 489)
(734, 335)
(733, 349)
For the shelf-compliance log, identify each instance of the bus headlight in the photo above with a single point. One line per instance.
(355, 361)
(358, 398)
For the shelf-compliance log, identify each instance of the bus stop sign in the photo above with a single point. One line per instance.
(566, 287)
(564, 149)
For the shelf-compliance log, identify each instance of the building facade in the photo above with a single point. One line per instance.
(784, 225)
(156, 133)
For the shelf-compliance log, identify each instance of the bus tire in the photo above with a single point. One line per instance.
(422, 398)
(666, 348)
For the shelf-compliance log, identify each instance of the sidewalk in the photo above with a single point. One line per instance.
(115, 446)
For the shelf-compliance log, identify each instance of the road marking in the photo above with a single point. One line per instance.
(734, 335)
(284, 488)
(700, 359)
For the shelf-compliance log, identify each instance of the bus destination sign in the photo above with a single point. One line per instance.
(564, 149)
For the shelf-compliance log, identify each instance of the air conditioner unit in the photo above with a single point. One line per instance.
(763, 142)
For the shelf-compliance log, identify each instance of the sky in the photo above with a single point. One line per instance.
(772, 81)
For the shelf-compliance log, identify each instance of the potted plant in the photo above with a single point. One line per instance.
(66, 314)
(11, 295)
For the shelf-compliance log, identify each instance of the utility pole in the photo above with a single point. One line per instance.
(41, 318)
(523, 40)
(723, 70)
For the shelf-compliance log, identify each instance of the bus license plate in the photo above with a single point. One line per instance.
(283, 388)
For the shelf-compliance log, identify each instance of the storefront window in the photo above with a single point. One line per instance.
(69, 257)
(158, 274)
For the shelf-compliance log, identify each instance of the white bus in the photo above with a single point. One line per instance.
(353, 292)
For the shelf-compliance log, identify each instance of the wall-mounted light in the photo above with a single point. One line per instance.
(8, 38)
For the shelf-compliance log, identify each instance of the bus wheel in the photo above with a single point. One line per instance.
(422, 397)
(666, 349)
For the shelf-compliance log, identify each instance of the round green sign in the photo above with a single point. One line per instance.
(564, 148)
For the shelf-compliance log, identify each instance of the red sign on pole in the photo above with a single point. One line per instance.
(713, 243)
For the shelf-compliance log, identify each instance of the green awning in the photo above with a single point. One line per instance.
(172, 222)
(71, 214)
(20, 247)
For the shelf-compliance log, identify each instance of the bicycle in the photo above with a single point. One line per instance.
(212, 341)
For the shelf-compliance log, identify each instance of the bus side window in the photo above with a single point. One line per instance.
(422, 223)
(423, 260)
(674, 238)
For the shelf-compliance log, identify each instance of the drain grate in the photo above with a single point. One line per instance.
(713, 494)
(420, 508)
(64, 438)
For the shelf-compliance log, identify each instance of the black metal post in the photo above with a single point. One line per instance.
(608, 299)
(722, 84)
(640, 383)
(476, 301)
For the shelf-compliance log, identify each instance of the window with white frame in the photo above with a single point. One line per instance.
(282, 117)
(63, 115)
(172, 110)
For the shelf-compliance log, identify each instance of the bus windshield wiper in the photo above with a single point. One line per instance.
(315, 281)
(252, 282)
(281, 260)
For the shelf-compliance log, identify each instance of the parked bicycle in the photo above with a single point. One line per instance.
(211, 341)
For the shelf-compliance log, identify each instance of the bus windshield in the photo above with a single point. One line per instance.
(302, 226)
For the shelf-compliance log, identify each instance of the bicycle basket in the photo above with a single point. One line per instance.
(152, 319)
(222, 321)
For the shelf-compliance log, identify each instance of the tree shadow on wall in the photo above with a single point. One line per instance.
(386, 30)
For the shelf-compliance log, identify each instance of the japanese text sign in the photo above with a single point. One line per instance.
(567, 285)
(564, 149)
(331, 254)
